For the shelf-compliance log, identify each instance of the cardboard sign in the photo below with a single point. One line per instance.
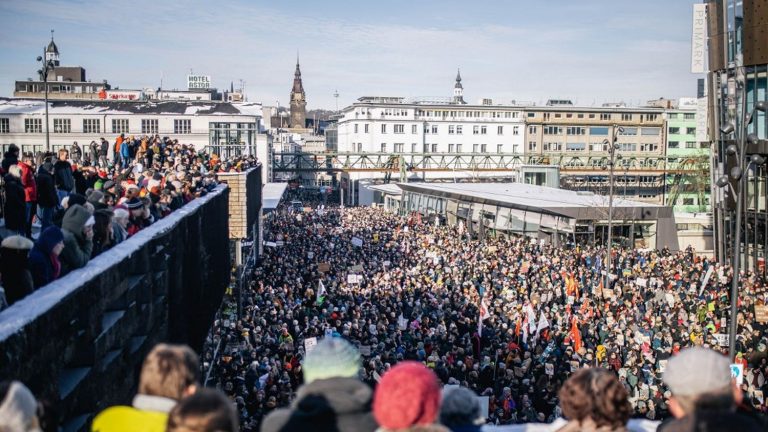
(761, 314)
(375, 237)
(358, 242)
(309, 344)
(356, 269)
(324, 267)
(737, 372)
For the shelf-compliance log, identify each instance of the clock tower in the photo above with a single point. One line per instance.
(298, 100)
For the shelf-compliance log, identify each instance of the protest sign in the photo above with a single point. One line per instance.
(356, 269)
(722, 339)
(310, 255)
(737, 372)
(356, 241)
(761, 314)
(324, 267)
(309, 344)
(365, 350)
(270, 244)
(485, 405)
(549, 369)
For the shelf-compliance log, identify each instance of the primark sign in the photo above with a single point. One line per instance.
(699, 39)
(197, 82)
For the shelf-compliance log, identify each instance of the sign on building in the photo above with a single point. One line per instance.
(197, 82)
(702, 119)
(699, 39)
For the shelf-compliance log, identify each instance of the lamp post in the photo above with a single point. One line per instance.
(612, 147)
(738, 150)
(47, 66)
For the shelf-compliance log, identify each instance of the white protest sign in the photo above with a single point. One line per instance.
(737, 372)
(642, 282)
(704, 283)
(722, 339)
(270, 244)
(310, 254)
(365, 350)
(549, 369)
(356, 241)
(485, 405)
(309, 344)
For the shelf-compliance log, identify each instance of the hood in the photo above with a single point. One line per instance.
(75, 218)
(343, 395)
(49, 238)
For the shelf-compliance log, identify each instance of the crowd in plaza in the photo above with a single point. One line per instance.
(508, 318)
(61, 209)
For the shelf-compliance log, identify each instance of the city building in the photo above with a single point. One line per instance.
(63, 82)
(298, 101)
(690, 192)
(736, 82)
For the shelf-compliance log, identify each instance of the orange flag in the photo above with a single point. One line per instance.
(575, 336)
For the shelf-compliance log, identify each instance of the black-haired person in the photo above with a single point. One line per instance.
(207, 410)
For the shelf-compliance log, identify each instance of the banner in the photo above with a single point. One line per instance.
(324, 267)
(357, 242)
(722, 339)
(699, 39)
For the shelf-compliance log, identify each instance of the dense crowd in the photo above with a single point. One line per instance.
(400, 288)
(85, 204)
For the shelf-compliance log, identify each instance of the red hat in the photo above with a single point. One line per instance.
(407, 395)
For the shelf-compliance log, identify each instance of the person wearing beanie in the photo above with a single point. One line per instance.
(18, 408)
(47, 200)
(704, 395)
(44, 263)
(460, 410)
(77, 227)
(14, 268)
(14, 210)
(332, 397)
(408, 399)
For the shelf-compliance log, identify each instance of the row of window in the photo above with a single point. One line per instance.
(468, 114)
(688, 131)
(594, 130)
(432, 148)
(434, 129)
(64, 126)
(686, 116)
(601, 116)
(688, 144)
(556, 146)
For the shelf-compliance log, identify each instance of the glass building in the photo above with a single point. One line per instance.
(737, 80)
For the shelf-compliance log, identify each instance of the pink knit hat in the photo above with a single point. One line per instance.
(407, 395)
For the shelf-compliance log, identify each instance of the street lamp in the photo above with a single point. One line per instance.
(47, 66)
(612, 147)
(738, 150)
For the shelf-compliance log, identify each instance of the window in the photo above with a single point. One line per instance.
(413, 147)
(149, 126)
(356, 127)
(605, 116)
(366, 128)
(690, 131)
(569, 115)
(425, 149)
(383, 147)
(626, 117)
(451, 129)
(532, 129)
(673, 144)
(650, 131)
(576, 130)
(458, 148)
(450, 148)
(627, 147)
(182, 126)
(595, 147)
(475, 148)
(434, 129)
(530, 115)
(93, 125)
(119, 126)
(690, 144)
(434, 148)
(62, 125)
(672, 116)
(674, 130)
(546, 116)
(575, 146)
(359, 147)
(33, 125)
(399, 147)
(598, 130)
(558, 115)
(5, 125)
(399, 128)
(553, 130)
(499, 130)
(531, 145)
(580, 115)
(553, 146)
(688, 201)
(515, 130)
(649, 147)
(414, 129)
(459, 129)
(384, 128)
(651, 117)
(475, 130)
(591, 116)
(629, 131)
(483, 148)
(499, 148)
(483, 130)
(689, 116)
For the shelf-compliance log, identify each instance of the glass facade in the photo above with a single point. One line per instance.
(232, 139)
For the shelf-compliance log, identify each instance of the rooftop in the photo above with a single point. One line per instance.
(36, 106)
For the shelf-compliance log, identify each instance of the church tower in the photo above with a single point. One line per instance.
(458, 90)
(298, 101)
(52, 52)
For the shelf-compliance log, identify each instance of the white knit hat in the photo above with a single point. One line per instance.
(18, 410)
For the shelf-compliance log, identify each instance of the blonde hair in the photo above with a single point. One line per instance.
(168, 371)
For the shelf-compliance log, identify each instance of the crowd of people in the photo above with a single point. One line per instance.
(61, 209)
(509, 318)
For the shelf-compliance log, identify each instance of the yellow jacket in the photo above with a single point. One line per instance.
(148, 414)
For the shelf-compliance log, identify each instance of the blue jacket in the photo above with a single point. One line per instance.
(125, 151)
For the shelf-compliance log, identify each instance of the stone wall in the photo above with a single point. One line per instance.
(244, 201)
(79, 341)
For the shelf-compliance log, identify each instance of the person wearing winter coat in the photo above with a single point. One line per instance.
(103, 151)
(44, 261)
(30, 192)
(15, 206)
(77, 227)
(14, 268)
(10, 157)
(47, 200)
(92, 157)
(62, 173)
(76, 152)
(125, 154)
(332, 397)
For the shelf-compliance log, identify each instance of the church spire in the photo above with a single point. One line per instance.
(52, 52)
(458, 89)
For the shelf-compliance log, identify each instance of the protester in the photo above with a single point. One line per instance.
(332, 397)
(14, 209)
(18, 408)
(62, 174)
(206, 410)
(44, 263)
(460, 410)
(168, 374)
(30, 192)
(408, 399)
(592, 399)
(47, 199)
(704, 396)
(77, 227)
(76, 152)
(14, 268)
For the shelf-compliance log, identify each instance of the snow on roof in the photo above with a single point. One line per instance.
(37, 106)
(271, 195)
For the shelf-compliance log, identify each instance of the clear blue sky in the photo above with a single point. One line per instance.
(591, 51)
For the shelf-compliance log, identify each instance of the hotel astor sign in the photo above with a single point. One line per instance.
(196, 82)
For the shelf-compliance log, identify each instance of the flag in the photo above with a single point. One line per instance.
(575, 336)
(321, 293)
(517, 327)
(531, 318)
(484, 314)
(543, 323)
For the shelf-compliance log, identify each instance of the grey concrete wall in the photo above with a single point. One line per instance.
(79, 341)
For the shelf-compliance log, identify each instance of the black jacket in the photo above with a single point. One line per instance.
(712, 422)
(46, 190)
(337, 404)
(14, 269)
(62, 173)
(15, 206)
